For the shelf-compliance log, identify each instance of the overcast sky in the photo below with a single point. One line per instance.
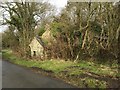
(58, 3)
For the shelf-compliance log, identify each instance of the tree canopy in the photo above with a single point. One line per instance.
(81, 30)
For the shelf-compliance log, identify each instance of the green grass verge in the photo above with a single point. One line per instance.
(55, 65)
(92, 83)
(83, 67)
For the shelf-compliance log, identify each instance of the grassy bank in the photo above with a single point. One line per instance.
(82, 74)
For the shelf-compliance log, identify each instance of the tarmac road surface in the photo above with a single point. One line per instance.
(14, 76)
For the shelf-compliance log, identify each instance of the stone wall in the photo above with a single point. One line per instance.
(36, 48)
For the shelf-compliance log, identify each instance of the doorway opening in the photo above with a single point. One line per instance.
(34, 53)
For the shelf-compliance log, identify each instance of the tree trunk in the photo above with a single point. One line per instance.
(84, 39)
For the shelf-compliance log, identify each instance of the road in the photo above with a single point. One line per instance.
(14, 76)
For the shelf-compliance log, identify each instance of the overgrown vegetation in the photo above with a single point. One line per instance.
(86, 46)
(22, 19)
(86, 29)
(81, 74)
